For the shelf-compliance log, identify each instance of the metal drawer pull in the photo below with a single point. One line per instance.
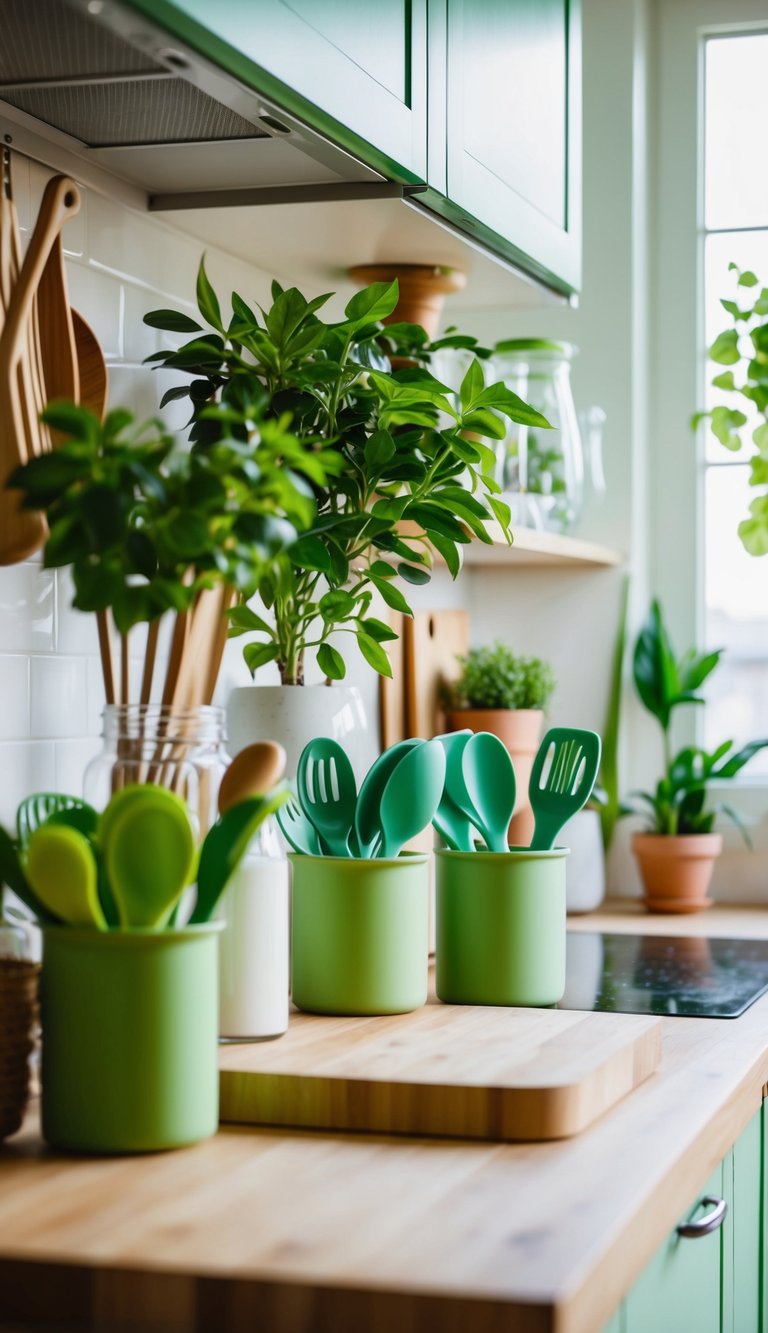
(706, 1224)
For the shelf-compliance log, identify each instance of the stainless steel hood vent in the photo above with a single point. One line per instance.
(100, 80)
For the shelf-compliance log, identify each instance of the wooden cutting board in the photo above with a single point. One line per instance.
(478, 1073)
(431, 641)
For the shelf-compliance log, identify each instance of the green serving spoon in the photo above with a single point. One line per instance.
(562, 778)
(149, 853)
(226, 843)
(328, 792)
(489, 779)
(367, 827)
(61, 870)
(451, 823)
(410, 798)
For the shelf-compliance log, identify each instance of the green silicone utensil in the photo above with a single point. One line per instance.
(226, 843)
(61, 870)
(410, 798)
(36, 809)
(12, 874)
(451, 823)
(456, 796)
(149, 853)
(562, 779)
(302, 836)
(328, 792)
(367, 827)
(489, 779)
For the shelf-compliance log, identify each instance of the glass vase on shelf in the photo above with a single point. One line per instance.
(542, 471)
(181, 749)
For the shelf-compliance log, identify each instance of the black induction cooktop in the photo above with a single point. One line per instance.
(684, 975)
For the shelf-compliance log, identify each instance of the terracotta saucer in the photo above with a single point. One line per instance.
(677, 905)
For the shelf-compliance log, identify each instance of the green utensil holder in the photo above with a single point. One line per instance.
(130, 1038)
(500, 926)
(360, 934)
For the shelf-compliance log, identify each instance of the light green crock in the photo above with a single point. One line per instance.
(360, 934)
(130, 1038)
(500, 926)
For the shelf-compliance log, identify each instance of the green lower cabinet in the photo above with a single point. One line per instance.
(716, 1282)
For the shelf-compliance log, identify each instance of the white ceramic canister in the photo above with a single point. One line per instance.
(254, 947)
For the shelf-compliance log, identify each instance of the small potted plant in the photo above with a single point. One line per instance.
(677, 850)
(501, 692)
(411, 476)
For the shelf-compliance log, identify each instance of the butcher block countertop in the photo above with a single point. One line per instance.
(290, 1231)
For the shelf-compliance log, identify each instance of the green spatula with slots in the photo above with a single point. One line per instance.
(562, 779)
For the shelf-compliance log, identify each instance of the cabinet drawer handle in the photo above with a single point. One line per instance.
(706, 1224)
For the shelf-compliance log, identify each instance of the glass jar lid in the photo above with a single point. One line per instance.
(548, 346)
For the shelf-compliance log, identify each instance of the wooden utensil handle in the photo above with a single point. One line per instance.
(61, 201)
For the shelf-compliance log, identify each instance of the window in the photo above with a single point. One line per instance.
(735, 225)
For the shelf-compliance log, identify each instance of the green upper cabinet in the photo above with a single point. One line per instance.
(354, 71)
(513, 130)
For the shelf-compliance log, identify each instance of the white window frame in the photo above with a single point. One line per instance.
(678, 367)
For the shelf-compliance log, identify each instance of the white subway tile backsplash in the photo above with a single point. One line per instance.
(14, 693)
(100, 299)
(71, 760)
(25, 767)
(26, 608)
(75, 630)
(58, 696)
(74, 230)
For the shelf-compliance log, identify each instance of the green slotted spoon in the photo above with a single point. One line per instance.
(562, 779)
(328, 792)
(44, 805)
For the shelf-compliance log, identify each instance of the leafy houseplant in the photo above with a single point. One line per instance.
(744, 348)
(677, 851)
(412, 474)
(506, 694)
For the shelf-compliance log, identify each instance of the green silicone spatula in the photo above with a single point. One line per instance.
(489, 779)
(369, 797)
(149, 853)
(562, 779)
(61, 870)
(226, 843)
(410, 798)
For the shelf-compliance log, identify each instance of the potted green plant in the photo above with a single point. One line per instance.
(744, 349)
(148, 528)
(506, 694)
(413, 476)
(677, 850)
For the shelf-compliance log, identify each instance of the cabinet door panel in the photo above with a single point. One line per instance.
(354, 71)
(514, 125)
(743, 1236)
(681, 1287)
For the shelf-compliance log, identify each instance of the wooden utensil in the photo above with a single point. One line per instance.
(432, 640)
(23, 532)
(91, 366)
(253, 771)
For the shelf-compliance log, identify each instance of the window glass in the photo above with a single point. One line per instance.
(736, 102)
(736, 196)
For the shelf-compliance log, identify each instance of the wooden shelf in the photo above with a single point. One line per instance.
(533, 547)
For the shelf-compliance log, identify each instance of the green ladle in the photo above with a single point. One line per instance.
(489, 780)
(410, 798)
(61, 871)
(367, 827)
(149, 853)
(562, 778)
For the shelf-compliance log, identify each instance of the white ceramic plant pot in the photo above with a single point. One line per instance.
(585, 867)
(296, 714)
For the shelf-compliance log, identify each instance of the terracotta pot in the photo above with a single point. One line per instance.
(520, 731)
(423, 289)
(677, 871)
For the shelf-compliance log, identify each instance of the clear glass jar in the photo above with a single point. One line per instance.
(179, 749)
(544, 471)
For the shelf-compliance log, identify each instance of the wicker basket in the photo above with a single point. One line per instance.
(18, 1033)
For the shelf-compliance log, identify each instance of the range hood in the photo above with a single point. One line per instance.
(92, 88)
(102, 82)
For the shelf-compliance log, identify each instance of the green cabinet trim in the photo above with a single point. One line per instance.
(308, 74)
